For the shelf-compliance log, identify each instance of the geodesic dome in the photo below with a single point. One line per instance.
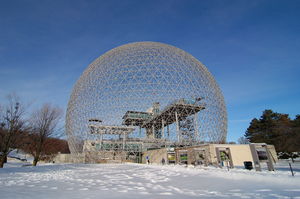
(134, 76)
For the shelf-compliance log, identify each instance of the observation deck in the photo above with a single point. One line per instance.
(155, 122)
(136, 118)
(178, 110)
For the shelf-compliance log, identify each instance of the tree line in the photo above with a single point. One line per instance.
(277, 129)
(33, 133)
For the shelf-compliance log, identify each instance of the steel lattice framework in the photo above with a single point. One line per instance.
(154, 89)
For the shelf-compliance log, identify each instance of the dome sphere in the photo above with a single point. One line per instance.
(134, 76)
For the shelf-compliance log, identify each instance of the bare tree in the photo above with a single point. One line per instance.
(43, 122)
(11, 127)
(243, 140)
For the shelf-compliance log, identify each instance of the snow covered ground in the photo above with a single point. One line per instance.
(143, 181)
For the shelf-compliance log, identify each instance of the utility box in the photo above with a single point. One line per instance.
(248, 165)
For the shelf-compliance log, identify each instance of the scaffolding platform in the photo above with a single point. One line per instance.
(179, 109)
(136, 118)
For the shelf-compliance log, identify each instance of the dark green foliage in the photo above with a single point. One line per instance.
(276, 129)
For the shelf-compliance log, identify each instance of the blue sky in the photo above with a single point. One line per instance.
(251, 47)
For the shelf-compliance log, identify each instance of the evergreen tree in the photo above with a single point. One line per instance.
(276, 129)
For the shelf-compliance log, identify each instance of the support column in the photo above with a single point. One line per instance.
(177, 127)
(196, 125)
(168, 129)
(124, 139)
(148, 132)
(140, 131)
(270, 160)
(153, 131)
(162, 128)
(101, 139)
(255, 157)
